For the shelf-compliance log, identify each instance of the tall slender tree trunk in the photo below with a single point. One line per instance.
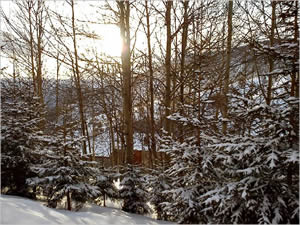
(88, 136)
(118, 147)
(294, 92)
(271, 60)
(174, 78)
(93, 124)
(196, 28)
(77, 82)
(182, 61)
(168, 67)
(30, 6)
(126, 70)
(14, 76)
(152, 122)
(57, 89)
(227, 71)
(295, 73)
(93, 134)
(112, 137)
(39, 27)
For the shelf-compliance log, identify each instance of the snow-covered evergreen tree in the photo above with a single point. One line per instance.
(247, 176)
(260, 170)
(191, 175)
(22, 117)
(157, 184)
(63, 174)
(133, 190)
(105, 182)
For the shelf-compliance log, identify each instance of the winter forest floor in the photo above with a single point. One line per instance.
(17, 210)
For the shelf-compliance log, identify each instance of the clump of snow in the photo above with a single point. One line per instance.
(16, 210)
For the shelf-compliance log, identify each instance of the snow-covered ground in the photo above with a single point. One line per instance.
(16, 210)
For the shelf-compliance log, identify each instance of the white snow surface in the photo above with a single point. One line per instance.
(17, 210)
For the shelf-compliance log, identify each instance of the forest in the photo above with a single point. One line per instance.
(192, 106)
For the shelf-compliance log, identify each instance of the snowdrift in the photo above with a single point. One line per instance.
(16, 210)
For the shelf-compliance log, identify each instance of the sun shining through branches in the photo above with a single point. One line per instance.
(110, 43)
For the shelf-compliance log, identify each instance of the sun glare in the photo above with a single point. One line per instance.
(111, 42)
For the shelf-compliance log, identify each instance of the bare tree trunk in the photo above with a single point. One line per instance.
(104, 197)
(69, 201)
(88, 137)
(112, 137)
(14, 75)
(93, 125)
(227, 72)
(30, 6)
(77, 81)
(168, 66)
(196, 27)
(295, 84)
(271, 61)
(182, 61)
(174, 78)
(93, 137)
(294, 92)
(39, 27)
(57, 89)
(152, 122)
(119, 152)
(126, 69)
(113, 131)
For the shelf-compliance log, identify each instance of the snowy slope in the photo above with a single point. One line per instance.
(16, 210)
